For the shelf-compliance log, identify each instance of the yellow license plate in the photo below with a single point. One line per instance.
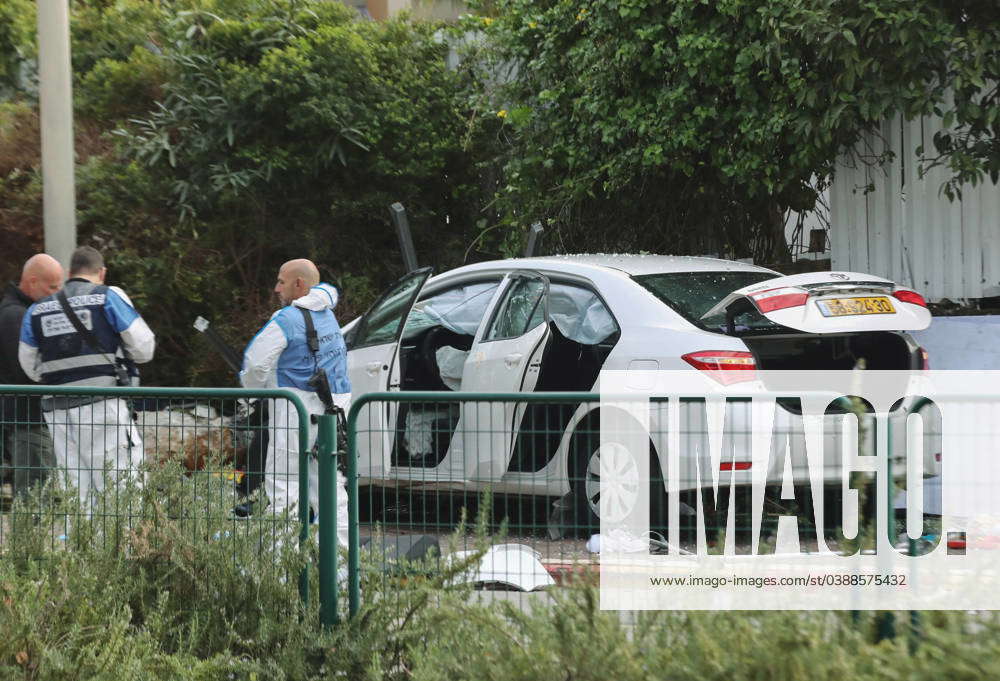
(841, 307)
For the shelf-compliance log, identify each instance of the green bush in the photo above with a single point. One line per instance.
(692, 126)
(249, 132)
(160, 583)
(261, 131)
(17, 28)
(115, 89)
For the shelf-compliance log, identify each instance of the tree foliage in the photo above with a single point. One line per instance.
(243, 133)
(218, 138)
(17, 24)
(695, 124)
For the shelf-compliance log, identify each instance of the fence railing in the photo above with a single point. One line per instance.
(81, 448)
(420, 464)
(419, 467)
(416, 481)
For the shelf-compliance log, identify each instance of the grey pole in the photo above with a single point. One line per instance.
(56, 101)
(398, 215)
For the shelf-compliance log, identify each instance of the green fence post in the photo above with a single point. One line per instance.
(915, 624)
(353, 528)
(886, 628)
(326, 439)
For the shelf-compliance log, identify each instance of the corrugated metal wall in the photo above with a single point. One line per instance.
(905, 229)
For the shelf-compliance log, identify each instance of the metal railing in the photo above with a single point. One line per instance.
(413, 496)
(413, 475)
(201, 430)
(420, 463)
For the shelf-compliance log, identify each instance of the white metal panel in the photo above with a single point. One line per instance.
(905, 228)
(896, 237)
(989, 235)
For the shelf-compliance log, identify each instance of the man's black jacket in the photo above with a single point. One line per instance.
(13, 305)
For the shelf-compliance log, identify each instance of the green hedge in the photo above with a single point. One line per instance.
(218, 139)
(185, 592)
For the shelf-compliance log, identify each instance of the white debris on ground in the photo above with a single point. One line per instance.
(512, 565)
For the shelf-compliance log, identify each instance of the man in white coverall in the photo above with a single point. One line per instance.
(279, 356)
(98, 346)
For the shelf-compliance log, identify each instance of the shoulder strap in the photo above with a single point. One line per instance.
(78, 325)
(312, 339)
(319, 381)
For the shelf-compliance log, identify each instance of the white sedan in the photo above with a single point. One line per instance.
(554, 323)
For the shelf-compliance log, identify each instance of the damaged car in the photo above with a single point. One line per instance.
(554, 323)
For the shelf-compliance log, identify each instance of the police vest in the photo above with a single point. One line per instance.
(297, 364)
(65, 356)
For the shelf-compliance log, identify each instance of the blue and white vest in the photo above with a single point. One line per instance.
(296, 363)
(65, 356)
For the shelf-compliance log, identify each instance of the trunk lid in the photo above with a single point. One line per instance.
(825, 302)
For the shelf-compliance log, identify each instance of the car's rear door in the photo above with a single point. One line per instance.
(829, 302)
(373, 345)
(505, 358)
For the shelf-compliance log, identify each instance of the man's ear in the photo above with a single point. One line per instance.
(103, 274)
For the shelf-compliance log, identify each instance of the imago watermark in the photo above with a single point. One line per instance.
(798, 490)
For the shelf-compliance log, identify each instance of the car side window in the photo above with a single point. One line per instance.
(521, 311)
(460, 309)
(580, 314)
(382, 323)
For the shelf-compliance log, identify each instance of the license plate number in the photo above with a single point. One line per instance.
(841, 307)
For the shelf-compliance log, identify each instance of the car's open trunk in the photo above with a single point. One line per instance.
(878, 349)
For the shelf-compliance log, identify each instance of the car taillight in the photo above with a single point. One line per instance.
(725, 366)
(908, 296)
(735, 465)
(779, 299)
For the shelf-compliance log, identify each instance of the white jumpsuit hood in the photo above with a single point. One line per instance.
(320, 297)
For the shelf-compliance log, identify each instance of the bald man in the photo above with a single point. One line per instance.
(27, 443)
(279, 356)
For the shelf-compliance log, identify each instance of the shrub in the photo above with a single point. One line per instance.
(169, 587)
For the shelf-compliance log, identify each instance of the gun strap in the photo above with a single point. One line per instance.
(312, 340)
(88, 337)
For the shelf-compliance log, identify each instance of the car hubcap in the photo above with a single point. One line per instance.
(615, 499)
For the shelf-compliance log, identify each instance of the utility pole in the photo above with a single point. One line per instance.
(55, 88)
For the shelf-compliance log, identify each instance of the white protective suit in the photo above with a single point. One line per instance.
(281, 472)
(97, 439)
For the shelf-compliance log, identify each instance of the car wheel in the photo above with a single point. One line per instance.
(590, 461)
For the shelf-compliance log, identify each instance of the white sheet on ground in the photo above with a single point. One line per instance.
(514, 565)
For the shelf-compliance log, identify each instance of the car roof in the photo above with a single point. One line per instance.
(631, 264)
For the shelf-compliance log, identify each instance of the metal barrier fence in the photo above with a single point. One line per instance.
(79, 455)
(420, 464)
(413, 486)
(419, 467)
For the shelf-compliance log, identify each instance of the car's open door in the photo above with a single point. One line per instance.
(826, 302)
(506, 357)
(372, 366)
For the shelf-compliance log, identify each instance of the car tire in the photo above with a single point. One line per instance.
(584, 482)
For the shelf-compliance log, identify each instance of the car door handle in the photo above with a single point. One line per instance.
(513, 359)
(373, 368)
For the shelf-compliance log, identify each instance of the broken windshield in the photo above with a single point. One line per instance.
(692, 294)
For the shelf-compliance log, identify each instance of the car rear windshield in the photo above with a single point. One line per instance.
(692, 294)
